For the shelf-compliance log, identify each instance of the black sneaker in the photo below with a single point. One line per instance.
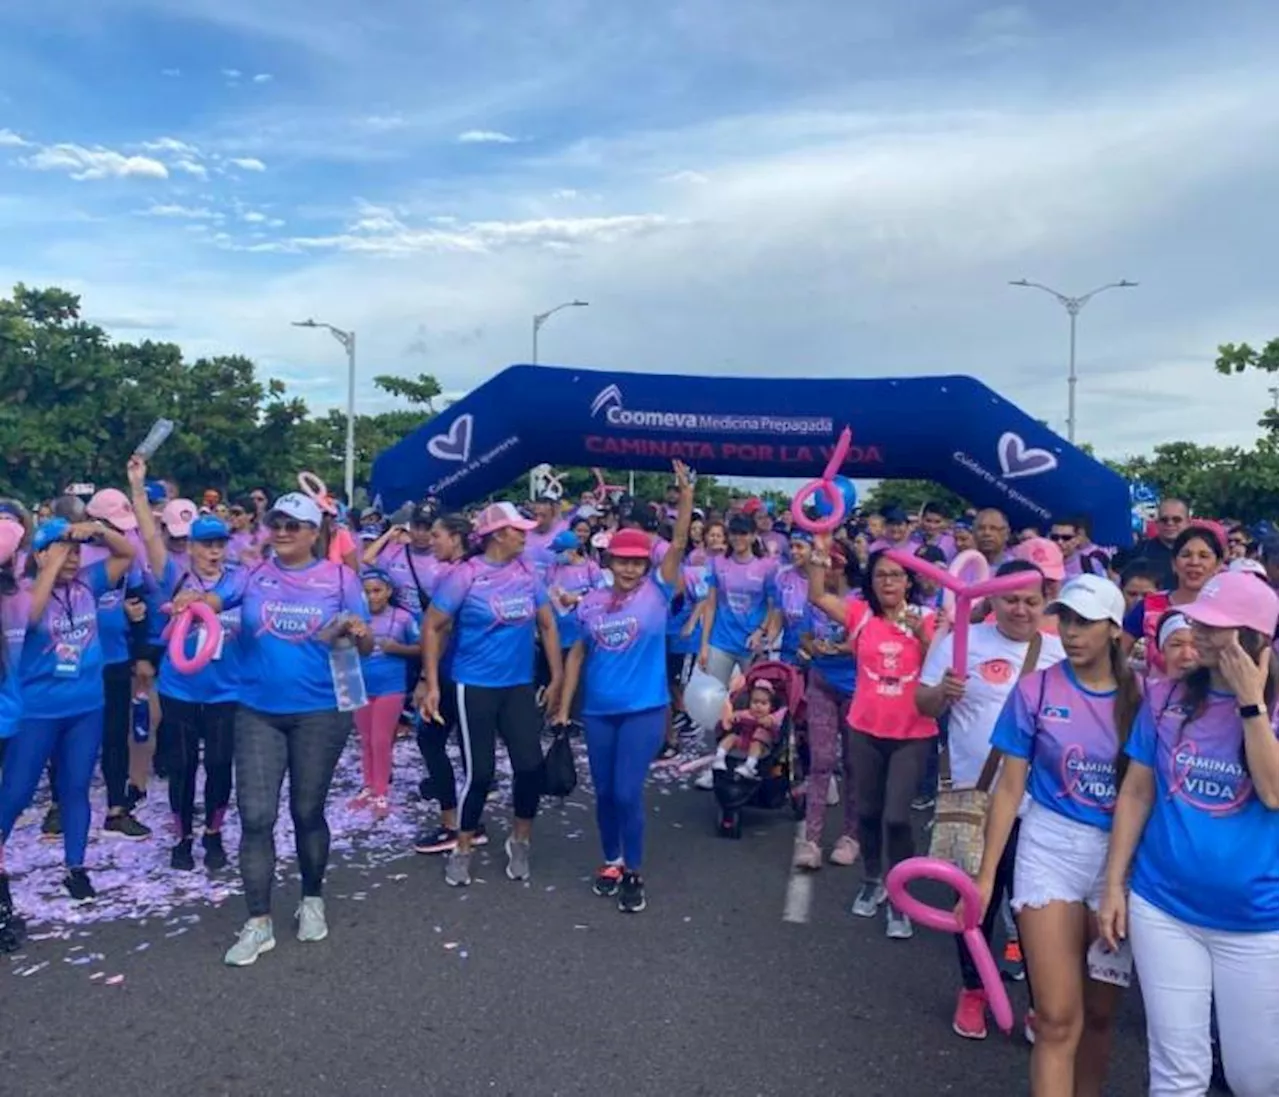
(631, 894)
(180, 858)
(922, 803)
(215, 857)
(13, 930)
(425, 792)
(76, 881)
(608, 880)
(51, 828)
(440, 840)
(133, 796)
(125, 826)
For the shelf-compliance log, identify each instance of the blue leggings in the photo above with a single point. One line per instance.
(620, 750)
(73, 742)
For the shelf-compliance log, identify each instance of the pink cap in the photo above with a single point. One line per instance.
(498, 516)
(177, 516)
(1235, 599)
(1044, 554)
(633, 544)
(11, 534)
(113, 507)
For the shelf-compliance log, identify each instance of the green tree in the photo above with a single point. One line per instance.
(1239, 357)
(911, 495)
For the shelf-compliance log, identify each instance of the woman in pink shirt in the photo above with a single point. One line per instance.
(891, 741)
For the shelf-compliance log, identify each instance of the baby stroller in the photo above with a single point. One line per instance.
(779, 777)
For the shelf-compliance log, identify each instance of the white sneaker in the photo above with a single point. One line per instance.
(256, 937)
(705, 780)
(311, 923)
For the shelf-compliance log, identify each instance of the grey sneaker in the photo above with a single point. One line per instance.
(256, 937)
(870, 896)
(310, 916)
(457, 869)
(897, 926)
(517, 859)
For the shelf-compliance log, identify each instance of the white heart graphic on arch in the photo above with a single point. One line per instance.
(1018, 459)
(455, 444)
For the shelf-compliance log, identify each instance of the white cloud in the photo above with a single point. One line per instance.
(232, 74)
(485, 137)
(171, 144)
(248, 163)
(97, 163)
(170, 72)
(252, 217)
(694, 178)
(565, 194)
(383, 123)
(193, 213)
(9, 139)
(191, 168)
(263, 78)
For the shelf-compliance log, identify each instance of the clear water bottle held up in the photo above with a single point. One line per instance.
(348, 677)
(141, 718)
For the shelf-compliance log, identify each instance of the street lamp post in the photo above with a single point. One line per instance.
(1073, 305)
(540, 318)
(348, 341)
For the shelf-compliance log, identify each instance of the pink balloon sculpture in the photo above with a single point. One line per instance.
(827, 486)
(315, 488)
(178, 630)
(930, 868)
(604, 492)
(966, 595)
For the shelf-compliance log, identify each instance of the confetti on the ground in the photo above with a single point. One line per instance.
(114, 981)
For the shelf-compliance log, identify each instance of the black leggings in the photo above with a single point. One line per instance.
(433, 738)
(1002, 890)
(485, 714)
(117, 681)
(186, 723)
(886, 773)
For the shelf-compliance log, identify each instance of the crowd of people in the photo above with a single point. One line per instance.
(1119, 709)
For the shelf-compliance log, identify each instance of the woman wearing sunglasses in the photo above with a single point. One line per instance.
(293, 608)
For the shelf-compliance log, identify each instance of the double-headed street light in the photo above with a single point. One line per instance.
(1073, 305)
(348, 341)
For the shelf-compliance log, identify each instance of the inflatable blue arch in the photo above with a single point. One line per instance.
(953, 430)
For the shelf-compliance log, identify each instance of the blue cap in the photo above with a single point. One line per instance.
(894, 515)
(802, 535)
(379, 574)
(55, 529)
(209, 527)
(156, 492)
(565, 541)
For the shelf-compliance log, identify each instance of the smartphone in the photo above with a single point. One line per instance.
(1106, 966)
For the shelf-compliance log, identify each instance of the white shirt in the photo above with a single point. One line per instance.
(994, 663)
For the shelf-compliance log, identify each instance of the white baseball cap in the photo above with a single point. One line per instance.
(297, 506)
(1093, 598)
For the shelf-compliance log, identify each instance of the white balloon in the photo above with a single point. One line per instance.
(704, 699)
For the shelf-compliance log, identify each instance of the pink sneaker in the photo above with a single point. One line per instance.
(845, 851)
(970, 1020)
(807, 855)
(360, 800)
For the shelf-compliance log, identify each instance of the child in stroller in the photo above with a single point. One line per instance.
(752, 730)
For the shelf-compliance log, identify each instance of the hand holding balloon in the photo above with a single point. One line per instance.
(210, 638)
(970, 928)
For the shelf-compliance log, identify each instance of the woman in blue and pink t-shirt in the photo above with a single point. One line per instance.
(1061, 733)
(624, 712)
(1195, 835)
(737, 614)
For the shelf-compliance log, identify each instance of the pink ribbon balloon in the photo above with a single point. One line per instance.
(825, 485)
(316, 489)
(180, 627)
(966, 595)
(930, 868)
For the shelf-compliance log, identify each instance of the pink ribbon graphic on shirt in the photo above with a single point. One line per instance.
(930, 868)
(966, 593)
(1186, 764)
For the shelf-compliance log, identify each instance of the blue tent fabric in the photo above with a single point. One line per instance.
(950, 429)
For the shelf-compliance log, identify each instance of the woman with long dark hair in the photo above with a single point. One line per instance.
(887, 636)
(1195, 839)
(1061, 734)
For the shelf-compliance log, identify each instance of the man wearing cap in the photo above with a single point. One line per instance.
(547, 523)
(897, 531)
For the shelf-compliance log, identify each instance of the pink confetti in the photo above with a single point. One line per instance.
(114, 981)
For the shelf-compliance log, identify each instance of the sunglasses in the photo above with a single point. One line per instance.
(1062, 538)
(1171, 519)
(285, 525)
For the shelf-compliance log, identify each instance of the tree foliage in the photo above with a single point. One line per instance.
(911, 495)
(1239, 357)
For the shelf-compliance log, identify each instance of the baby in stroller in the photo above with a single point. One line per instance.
(751, 730)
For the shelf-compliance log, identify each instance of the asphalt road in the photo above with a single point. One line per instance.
(517, 990)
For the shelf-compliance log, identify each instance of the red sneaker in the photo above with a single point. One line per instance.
(970, 1020)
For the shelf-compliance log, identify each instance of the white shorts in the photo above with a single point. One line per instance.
(1059, 860)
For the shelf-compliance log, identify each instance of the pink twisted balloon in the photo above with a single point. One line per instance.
(825, 485)
(930, 868)
(178, 629)
(966, 595)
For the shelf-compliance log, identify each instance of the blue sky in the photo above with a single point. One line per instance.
(736, 186)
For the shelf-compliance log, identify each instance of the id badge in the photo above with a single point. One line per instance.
(1106, 966)
(67, 664)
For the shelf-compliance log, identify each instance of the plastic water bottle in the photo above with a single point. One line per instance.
(141, 718)
(348, 678)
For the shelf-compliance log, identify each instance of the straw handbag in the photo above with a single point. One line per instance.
(960, 813)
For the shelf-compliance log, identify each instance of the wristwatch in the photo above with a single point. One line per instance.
(1248, 712)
